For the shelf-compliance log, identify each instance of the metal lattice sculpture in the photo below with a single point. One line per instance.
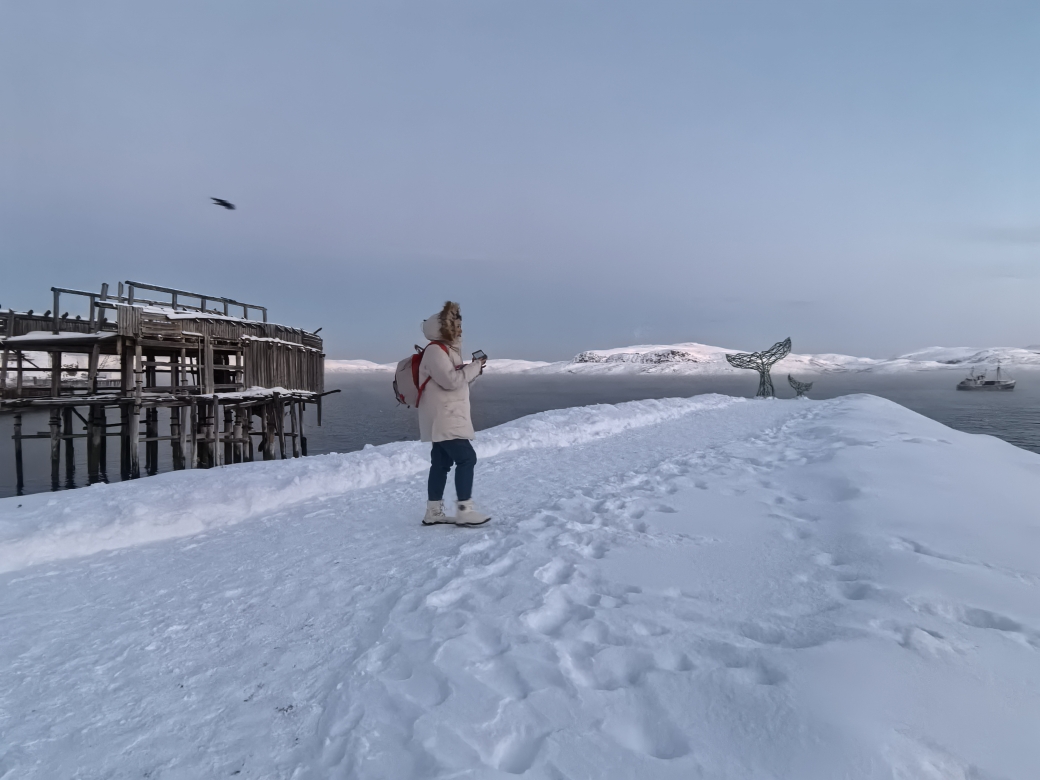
(762, 362)
(800, 388)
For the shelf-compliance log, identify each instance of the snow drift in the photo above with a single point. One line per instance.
(44, 527)
(793, 590)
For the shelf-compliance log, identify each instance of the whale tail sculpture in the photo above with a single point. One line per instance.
(762, 362)
(800, 388)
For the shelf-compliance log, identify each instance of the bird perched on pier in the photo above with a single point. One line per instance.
(224, 203)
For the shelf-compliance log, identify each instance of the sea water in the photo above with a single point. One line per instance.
(365, 412)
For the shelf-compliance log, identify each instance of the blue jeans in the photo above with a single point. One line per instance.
(445, 453)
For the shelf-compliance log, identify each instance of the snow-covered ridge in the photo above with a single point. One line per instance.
(44, 527)
(694, 358)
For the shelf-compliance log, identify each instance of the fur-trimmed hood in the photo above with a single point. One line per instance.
(445, 325)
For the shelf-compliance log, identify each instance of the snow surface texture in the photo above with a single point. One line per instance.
(669, 589)
(692, 358)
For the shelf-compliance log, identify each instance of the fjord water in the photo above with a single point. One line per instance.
(364, 412)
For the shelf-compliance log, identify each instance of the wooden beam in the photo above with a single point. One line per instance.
(151, 423)
(124, 441)
(19, 472)
(96, 418)
(101, 424)
(70, 452)
(55, 425)
(217, 457)
(135, 440)
(229, 437)
(237, 453)
(3, 366)
(176, 442)
(193, 450)
(55, 374)
(207, 368)
(279, 408)
(151, 440)
(247, 433)
(269, 430)
(293, 424)
(92, 369)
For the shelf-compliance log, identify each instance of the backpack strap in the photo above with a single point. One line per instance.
(416, 363)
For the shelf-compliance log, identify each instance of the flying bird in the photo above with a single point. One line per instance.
(224, 203)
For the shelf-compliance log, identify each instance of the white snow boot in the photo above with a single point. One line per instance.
(467, 514)
(435, 514)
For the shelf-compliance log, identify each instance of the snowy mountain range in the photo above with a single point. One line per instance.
(694, 358)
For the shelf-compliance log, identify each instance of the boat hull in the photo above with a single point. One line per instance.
(995, 386)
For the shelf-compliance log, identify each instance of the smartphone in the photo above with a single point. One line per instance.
(479, 355)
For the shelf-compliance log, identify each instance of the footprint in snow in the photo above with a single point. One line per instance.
(976, 617)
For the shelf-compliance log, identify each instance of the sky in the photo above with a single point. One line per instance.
(861, 176)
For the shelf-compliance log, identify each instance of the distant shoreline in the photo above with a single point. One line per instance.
(701, 359)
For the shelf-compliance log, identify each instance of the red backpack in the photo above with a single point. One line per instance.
(407, 389)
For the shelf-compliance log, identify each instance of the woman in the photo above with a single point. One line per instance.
(444, 417)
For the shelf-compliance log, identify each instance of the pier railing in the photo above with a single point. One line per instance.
(178, 299)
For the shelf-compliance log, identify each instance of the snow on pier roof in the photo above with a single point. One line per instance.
(46, 337)
(669, 589)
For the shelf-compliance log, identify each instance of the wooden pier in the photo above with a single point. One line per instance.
(233, 387)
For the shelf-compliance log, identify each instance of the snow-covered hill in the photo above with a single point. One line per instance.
(350, 366)
(705, 587)
(693, 358)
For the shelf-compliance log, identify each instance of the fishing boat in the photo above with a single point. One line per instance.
(979, 382)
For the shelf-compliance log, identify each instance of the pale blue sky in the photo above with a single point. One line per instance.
(863, 177)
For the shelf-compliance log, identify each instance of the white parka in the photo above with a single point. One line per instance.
(444, 406)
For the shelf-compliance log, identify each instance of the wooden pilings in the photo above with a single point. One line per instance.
(124, 441)
(233, 426)
(193, 454)
(18, 469)
(203, 432)
(70, 452)
(269, 431)
(211, 371)
(176, 440)
(55, 427)
(295, 433)
(279, 416)
(55, 374)
(96, 436)
(3, 370)
(217, 452)
(151, 427)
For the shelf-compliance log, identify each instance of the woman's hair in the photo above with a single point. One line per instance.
(451, 322)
